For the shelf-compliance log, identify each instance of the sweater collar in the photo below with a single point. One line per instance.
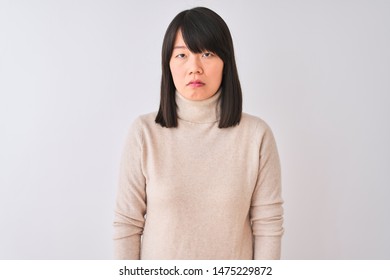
(198, 111)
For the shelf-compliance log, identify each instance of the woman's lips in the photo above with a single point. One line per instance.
(196, 83)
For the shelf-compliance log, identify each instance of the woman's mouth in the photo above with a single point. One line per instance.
(196, 83)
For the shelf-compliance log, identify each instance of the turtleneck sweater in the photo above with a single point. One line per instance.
(198, 191)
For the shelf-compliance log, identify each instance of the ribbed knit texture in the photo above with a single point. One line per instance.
(198, 191)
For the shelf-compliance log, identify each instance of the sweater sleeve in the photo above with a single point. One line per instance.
(266, 206)
(130, 210)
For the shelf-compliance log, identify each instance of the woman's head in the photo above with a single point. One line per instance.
(196, 76)
(198, 47)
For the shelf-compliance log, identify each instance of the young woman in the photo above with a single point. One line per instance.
(199, 178)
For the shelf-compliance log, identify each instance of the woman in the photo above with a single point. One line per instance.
(199, 179)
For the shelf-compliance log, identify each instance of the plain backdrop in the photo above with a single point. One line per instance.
(75, 74)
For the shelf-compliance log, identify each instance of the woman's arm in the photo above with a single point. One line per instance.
(130, 208)
(266, 208)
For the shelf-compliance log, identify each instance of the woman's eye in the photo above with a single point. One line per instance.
(207, 54)
(180, 55)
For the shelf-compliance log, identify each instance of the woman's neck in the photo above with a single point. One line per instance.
(199, 111)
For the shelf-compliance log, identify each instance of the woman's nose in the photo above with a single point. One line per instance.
(195, 66)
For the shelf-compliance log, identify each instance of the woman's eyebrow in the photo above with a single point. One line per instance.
(179, 47)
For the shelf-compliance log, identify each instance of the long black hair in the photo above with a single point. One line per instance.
(202, 29)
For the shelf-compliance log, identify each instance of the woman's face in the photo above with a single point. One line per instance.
(196, 76)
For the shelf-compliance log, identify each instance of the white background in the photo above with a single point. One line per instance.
(74, 74)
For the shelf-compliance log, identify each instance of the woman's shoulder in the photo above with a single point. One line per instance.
(146, 119)
(142, 122)
(261, 131)
(254, 122)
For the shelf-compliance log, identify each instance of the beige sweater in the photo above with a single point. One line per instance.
(198, 191)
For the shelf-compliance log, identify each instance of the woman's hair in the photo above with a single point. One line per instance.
(202, 30)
